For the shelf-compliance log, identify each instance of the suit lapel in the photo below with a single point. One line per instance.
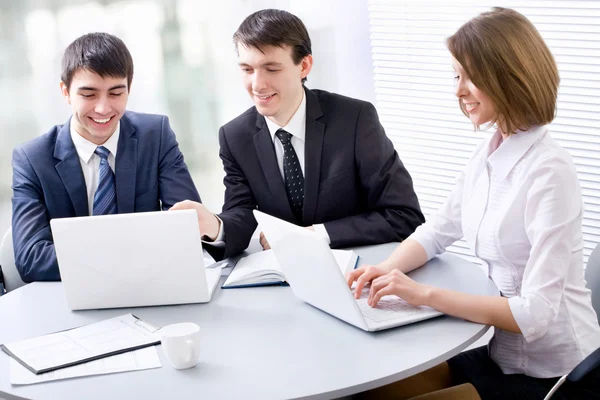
(126, 166)
(268, 161)
(69, 170)
(312, 156)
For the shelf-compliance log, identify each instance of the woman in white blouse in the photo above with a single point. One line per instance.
(518, 204)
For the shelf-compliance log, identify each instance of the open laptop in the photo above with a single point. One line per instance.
(314, 276)
(131, 260)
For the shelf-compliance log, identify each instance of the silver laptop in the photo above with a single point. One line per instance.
(131, 260)
(314, 276)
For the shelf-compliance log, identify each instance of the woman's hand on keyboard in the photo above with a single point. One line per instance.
(364, 275)
(397, 283)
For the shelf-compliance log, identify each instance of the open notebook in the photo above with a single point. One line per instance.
(261, 269)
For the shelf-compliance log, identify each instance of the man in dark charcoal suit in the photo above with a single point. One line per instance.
(314, 158)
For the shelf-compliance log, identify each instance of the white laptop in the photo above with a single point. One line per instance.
(131, 260)
(314, 276)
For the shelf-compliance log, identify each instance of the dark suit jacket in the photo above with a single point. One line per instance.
(48, 183)
(355, 183)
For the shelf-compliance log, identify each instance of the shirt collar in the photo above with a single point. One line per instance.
(85, 148)
(512, 149)
(297, 124)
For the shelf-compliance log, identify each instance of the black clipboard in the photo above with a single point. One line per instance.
(150, 328)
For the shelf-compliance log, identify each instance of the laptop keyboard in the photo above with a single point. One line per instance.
(388, 308)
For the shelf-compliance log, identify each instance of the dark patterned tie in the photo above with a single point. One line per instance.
(292, 173)
(105, 198)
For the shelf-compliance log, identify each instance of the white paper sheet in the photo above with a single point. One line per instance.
(137, 360)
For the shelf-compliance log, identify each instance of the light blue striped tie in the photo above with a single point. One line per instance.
(105, 199)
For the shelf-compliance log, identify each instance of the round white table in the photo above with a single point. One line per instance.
(257, 343)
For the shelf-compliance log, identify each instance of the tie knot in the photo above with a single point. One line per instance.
(103, 152)
(284, 136)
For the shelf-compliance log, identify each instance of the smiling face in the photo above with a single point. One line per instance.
(273, 81)
(97, 104)
(474, 102)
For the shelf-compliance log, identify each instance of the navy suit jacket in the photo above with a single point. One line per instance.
(48, 183)
(355, 183)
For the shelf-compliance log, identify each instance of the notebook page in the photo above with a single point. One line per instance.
(254, 265)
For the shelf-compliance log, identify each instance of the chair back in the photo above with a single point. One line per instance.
(12, 278)
(592, 276)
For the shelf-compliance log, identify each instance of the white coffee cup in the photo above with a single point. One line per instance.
(181, 344)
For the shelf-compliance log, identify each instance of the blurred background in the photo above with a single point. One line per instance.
(389, 52)
(185, 67)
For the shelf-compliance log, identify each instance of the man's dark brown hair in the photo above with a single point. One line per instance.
(272, 27)
(102, 53)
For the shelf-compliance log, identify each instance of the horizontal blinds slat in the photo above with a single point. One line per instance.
(566, 8)
(449, 107)
(430, 205)
(438, 181)
(570, 115)
(414, 89)
(386, 91)
(461, 4)
(412, 40)
(431, 61)
(582, 24)
(388, 50)
(447, 27)
(590, 200)
(442, 123)
(581, 38)
(453, 169)
(418, 171)
(394, 116)
(450, 162)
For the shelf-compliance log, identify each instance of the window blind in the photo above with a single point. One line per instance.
(417, 106)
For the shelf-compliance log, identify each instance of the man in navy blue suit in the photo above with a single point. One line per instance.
(103, 160)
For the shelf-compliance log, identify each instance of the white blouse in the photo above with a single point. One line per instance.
(520, 209)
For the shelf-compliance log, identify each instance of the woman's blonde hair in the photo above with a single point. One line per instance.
(506, 58)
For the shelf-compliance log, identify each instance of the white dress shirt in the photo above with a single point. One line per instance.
(297, 128)
(90, 161)
(518, 204)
